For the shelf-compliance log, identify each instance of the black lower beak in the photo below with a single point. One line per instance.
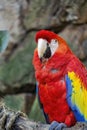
(41, 59)
(47, 53)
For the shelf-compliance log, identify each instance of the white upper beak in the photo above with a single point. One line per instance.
(42, 45)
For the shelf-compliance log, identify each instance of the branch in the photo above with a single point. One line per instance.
(10, 120)
(26, 88)
(30, 125)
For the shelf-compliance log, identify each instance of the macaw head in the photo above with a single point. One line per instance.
(49, 43)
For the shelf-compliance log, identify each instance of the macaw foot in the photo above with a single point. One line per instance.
(57, 126)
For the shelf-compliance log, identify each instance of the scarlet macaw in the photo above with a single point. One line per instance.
(62, 81)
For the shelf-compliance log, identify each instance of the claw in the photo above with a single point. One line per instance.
(54, 124)
(60, 126)
(57, 126)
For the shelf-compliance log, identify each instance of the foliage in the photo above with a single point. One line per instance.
(36, 113)
(19, 69)
(4, 40)
(14, 102)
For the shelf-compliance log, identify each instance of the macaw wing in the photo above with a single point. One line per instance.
(76, 96)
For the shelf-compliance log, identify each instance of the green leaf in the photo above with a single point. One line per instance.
(4, 40)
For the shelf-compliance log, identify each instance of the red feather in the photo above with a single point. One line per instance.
(45, 35)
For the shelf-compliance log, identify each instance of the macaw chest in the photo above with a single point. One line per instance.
(53, 98)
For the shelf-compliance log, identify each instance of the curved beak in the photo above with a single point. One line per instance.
(42, 45)
(44, 51)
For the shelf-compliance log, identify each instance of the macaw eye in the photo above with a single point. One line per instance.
(55, 40)
(53, 45)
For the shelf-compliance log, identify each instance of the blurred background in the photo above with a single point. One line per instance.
(19, 21)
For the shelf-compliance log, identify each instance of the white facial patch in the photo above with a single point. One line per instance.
(42, 45)
(53, 45)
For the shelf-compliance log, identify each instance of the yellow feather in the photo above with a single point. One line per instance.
(79, 93)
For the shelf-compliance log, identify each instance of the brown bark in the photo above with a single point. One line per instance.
(10, 120)
(26, 88)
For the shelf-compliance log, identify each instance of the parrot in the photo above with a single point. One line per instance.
(61, 81)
